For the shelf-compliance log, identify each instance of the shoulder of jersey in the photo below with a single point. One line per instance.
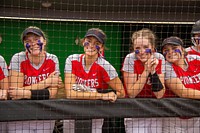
(74, 57)
(20, 55)
(50, 56)
(131, 56)
(188, 49)
(192, 57)
(1, 58)
(158, 55)
(102, 61)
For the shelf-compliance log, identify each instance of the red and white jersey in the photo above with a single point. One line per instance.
(190, 77)
(34, 73)
(3, 68)
(192, 50)
(133, 65)
(99, 73)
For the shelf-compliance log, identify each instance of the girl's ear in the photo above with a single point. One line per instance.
(185, 53)
(82, 41)
(44, 42)
(154, 50)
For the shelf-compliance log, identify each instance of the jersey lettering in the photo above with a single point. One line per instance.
(190, 79)
(28, 80)
(89, 82)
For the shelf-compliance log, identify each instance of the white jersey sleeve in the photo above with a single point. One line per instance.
(56, 61)
(16, 60)
(170, 73)
(188, 49)
(68, 62)
(3, 66)
(128, 65)
(108, 68)
(161, 58)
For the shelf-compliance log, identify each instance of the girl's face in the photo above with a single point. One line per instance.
(197, 39)
(143, 49)
(36, 44)
(173, 53)
(92, 46)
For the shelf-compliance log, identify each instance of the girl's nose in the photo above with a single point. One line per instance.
(170, 51)
(92, 45)
(32, 43)
(142, 51)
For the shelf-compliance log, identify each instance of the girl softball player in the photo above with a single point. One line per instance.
(34, 74)
(89, 73)
(143, 73)
(3, 88)
(182, 78)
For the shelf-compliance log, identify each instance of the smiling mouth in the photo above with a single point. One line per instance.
(143, 57)
(90, 50)
(172, 57)
(34, 48)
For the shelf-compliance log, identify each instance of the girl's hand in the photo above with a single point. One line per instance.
(154, 63)
(151, 64)
(19, 93)
(111, 96)
(54, 80)
(3, 94)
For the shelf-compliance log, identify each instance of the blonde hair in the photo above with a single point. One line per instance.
(144, 33)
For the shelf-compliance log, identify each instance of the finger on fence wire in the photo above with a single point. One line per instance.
(80, 87)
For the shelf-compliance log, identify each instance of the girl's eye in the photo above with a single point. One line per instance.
(87, 40)
(173, 48)
(165, 51)
(137, 48)
(27, 42)
(97, 44)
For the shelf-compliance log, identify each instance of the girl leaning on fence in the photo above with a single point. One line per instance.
(143, 74)
(88, 75)
(34, 75)
(3, 87)
(182, 78)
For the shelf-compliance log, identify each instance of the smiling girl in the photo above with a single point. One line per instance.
(88, 75)
(182, 77)
(34, 75)
(143, 73)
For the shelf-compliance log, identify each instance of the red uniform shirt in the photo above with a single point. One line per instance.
(100, 72)
(3, 68)
(192, 51)
(133, 65)
(32, 73)
(190, 77)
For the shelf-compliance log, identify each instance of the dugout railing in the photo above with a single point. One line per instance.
(84, 110)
